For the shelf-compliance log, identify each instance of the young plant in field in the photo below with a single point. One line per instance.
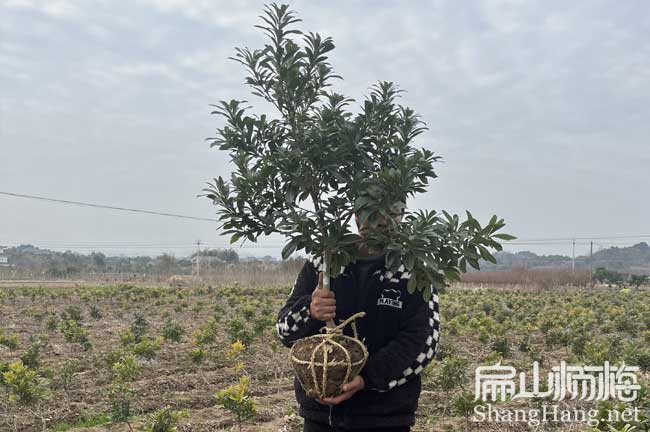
(52, 323)
(237, 400)
(10, 341)
(248, 311)
(32, 355)
(26, 389)
(262, 323)
(127, 338)
(73, 332)
(207, 333)
(235, 350)
(607, 421)
(238, 331)
(72, 312)
(95, 313)
(173, 333)
(165, 420)
(112, 357)
(464, 404)
(139, 326)
(65, 377)
(235, 355)
(4, 367)
(120, 397)
(501, 345)
(24, 384)
(125, 369)
(147, 348)
(120, 392)
(306, 174)
(452, 373)
(198, 355)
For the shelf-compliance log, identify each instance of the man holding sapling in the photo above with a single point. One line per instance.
(304, 174)
(400, 330)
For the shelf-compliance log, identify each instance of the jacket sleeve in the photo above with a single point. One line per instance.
(403, 358)
(294, 319)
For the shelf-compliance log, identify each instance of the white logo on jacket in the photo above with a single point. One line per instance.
(390, 297)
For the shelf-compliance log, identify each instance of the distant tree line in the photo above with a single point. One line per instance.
(631, 259)
(30, 260)
(226, 255)
(612, 277)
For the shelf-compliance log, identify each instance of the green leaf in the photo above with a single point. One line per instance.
(412, 283)
(504, 236)
(426, 293)
(409, 261)
(288, 249)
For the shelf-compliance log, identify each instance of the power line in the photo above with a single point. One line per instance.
(141, 247)
(570, 239)
(551, 241)
(119, 243)
(106, 206)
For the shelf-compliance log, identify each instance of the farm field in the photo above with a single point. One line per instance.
(92, 353)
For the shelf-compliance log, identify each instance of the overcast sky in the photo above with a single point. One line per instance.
(539, 109)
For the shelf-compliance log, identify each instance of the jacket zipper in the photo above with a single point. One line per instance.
(330, 417)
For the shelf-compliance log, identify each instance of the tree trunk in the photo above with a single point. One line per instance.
(326, 279)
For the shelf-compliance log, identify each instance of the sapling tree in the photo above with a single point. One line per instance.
(305, 171)
(73, 332)
(464, 404)
(452, 374)
(148, 348)
(65, 376)
(31, 358)
(9, 341)
(173, 333)
(165, 420)
(121, 392)
(237, 400)
(27, 389)
(139, 326)
(204, 336)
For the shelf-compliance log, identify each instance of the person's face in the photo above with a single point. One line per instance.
(382, 224)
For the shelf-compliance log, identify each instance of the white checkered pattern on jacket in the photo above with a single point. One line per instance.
(430, 348)
(292, 322)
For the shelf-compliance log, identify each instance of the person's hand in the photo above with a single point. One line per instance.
(323, 304)
(349, 390)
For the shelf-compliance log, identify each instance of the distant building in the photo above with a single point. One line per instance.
(4, 259)
(265, 258)
(204, 262)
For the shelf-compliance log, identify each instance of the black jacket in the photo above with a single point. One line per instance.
(400, 330)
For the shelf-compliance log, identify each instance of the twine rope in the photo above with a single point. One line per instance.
(325, 346)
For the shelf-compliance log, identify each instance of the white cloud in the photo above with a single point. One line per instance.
(213, 11)
(524, 100)
(53, 8)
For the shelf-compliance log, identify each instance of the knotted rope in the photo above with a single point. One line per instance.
(325, 346)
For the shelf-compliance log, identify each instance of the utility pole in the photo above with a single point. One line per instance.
(573, 259)
(198, 258)
(591, 262)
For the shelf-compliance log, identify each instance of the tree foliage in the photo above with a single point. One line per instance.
(306, 172)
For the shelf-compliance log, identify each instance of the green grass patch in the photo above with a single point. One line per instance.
(84, 421)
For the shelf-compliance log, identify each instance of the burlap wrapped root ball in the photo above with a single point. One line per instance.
(324, 363)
